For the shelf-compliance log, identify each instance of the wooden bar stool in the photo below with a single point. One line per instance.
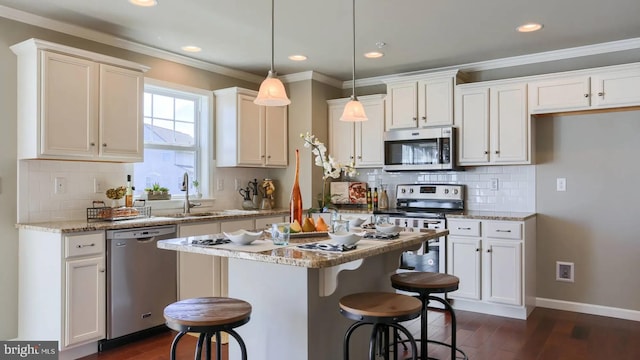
(383, 311)
(207, 316)
(425, 284)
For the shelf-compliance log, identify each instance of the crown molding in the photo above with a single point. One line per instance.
(312, 75)
(555, 55)
(85, 33)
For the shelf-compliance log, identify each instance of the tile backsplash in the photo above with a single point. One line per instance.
(515, 185)
(38, 200)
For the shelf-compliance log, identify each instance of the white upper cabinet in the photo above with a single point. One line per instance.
(249, 135)
(493, 123)
(425, 100)
(616, 86)
(78, 105)
(360, 143)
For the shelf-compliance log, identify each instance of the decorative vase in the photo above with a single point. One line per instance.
(295, 204)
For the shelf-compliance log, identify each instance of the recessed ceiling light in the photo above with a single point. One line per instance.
(373, 54)
(145, 3)
(297, 57)
(530, 27)
(191, 48)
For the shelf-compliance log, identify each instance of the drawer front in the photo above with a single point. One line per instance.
(503, 230)
(464, 227)
(84, 244)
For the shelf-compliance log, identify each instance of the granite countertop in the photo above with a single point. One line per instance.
(292, 255)
(83, 225)
(493, 215)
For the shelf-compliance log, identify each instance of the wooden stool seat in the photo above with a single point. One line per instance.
(425, 281)
(384, 311)
(208, 311)
(208, 316)
(380, 304)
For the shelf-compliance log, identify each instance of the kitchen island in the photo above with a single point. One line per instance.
(294, 292)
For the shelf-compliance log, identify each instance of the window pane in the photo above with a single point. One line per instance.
(184, 133)
(147, 104)
(162, 132)
(165, 167)
(162, 106)
(185, 110)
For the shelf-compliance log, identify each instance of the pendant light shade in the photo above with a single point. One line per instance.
(272, 92)
(354, 111)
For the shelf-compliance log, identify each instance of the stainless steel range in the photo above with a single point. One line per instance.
(425, 206)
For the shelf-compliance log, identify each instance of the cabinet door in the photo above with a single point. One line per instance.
(569, 93)
(121, 131)
(463, 259)
(435, 102)
(619, 88)
(341, 135)
(369, 136)
(121, 114)
(402, 107)
(276, 136)
(85, 295)
(509, 121)
(207, 267)
(229, 226)
(265, 223)
(250, 132)
(68, 106)
(472, 117)
(503, 271)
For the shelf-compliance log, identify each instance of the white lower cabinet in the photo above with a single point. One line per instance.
(202, 275)
(62, 289)
(495, 262)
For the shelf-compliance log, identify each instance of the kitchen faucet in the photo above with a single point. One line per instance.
(185, 187)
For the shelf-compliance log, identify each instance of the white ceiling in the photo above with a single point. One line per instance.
(420, 34)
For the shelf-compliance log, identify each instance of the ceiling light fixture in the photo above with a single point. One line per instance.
(530, 27)
(191, 48)
(354, 111)
(272, 92)
(144, 3)
(297, 57)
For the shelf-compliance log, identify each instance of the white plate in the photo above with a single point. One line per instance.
(242, 237)
(355, 221)
(346, 238)
(388, 228)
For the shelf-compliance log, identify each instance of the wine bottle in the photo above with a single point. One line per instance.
(375, 198)
(128, 195)
(295, 204)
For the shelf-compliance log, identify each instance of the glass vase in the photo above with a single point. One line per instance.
(295, 204)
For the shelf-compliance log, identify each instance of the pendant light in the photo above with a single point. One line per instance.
(354, 111)
(272, 92)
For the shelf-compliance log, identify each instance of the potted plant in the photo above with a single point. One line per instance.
(157, 192)
(196, 187)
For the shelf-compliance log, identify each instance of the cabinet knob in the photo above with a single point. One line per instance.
(486, 152)
(477, 249)
(497, 152)
(104, 145)
(488, 250)
(586, 95)
(351, 157)
(102, 270)
(269, 157)
(424, 118)
(359, 157)
(93, 144)
(262, 156)
(600, 94)
(415, 119)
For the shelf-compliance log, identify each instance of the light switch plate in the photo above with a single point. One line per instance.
(220, 184)
(60, 185)
(494, 184)
(561, 184)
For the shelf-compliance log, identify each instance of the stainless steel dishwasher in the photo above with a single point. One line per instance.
(141, 279)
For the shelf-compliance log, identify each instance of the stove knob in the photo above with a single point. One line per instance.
(403, 190)
(411, 191)
(455, 191)
(446, 191)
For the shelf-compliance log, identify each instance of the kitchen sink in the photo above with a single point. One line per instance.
(201, 214)
(239, 212)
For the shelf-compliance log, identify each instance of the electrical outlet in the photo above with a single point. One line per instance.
(564, 271)
(60, 185)
(561, 184)
(237, 184)
(494, 184)
(220, 184)
(97, 186)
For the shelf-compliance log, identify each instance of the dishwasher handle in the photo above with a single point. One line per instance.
(145, 240)
(141, 233)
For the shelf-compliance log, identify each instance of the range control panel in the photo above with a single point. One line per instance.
(430, 192)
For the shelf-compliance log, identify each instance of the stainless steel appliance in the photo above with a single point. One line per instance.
(432, 148)
(425, 206)
(141, 279)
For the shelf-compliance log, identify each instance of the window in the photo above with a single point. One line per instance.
(173, 134)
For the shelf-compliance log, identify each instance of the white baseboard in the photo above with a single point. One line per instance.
(619, 313)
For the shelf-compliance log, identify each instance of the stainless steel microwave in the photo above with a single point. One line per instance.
(432, 148)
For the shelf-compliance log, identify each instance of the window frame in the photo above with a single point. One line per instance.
(203, 144)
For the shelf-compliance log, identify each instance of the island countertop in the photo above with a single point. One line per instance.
(265, 251)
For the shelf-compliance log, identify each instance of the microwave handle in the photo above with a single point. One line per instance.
(440, 145)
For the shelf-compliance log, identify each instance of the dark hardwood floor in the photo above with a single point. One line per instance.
(546, 335)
